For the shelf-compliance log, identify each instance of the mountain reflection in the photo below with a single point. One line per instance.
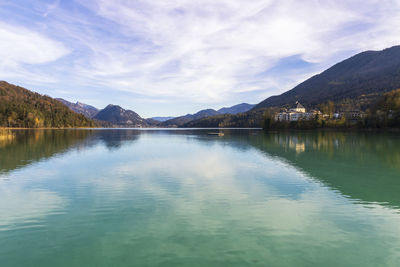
(115, 138)
(19, 148)
(362, 166)
(22, 147)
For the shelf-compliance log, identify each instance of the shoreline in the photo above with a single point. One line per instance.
(215, 128)
(336, 130)
(122, 128)
(44, 128)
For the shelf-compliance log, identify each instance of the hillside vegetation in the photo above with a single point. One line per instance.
(383, 113)
(250, 119)
(386, 112)
(20, 107)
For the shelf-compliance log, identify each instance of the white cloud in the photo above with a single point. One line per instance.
(202, 51)
(19, 207)
(197, 185)
(20, 46)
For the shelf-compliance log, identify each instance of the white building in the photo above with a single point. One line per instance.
(299, 108)
(296, 113)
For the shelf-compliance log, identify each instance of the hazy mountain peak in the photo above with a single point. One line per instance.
(239, 108)
(81, 108)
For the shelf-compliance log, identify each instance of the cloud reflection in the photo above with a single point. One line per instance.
(26, 208)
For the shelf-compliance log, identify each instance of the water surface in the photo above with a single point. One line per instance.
(187, 198)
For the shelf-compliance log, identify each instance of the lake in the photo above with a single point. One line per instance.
(126, 197)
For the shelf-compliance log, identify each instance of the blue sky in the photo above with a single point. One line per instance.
(175, 57)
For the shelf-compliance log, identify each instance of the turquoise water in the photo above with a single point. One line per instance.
(187, 198)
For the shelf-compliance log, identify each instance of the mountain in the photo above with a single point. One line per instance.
(358, 82)
(120, 117)
(20, 107)
(161, 119)
(204, 113)
(178, 121)
(370, 72)
(249, 119)
(236, 109)
(87, 110)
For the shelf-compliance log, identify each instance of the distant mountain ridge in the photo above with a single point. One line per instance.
(111, 115)
(118, 116)
(161, 119)
(239, 108)
(182, 120)
(365, 73)
(81, 108)
(178, 121)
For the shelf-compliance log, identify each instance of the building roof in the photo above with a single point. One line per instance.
(298, 105)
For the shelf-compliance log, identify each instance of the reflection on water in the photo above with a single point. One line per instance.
(6, 137)
(364, 166)
(188, 198)
(22, 147)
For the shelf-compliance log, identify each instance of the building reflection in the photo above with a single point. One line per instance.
(363, 166)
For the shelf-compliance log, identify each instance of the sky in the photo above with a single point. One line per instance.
(169, 58)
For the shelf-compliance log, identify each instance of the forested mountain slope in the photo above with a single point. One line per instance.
(20, 107)
(365, 73)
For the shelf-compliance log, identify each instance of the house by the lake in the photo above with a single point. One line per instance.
(350, 114)
(296, 113)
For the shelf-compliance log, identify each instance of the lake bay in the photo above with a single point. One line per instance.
(127, 197)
